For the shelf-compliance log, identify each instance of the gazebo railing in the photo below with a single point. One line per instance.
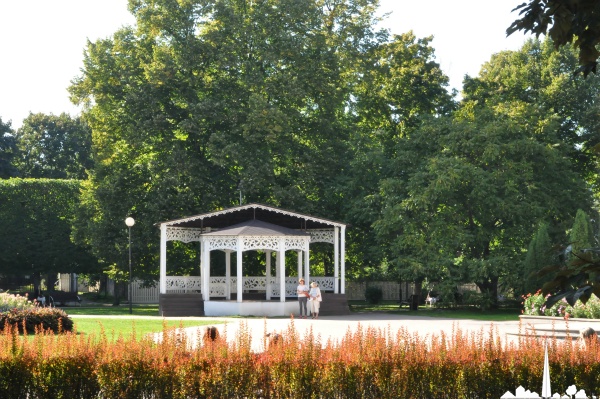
(218, 285)
(182, 284)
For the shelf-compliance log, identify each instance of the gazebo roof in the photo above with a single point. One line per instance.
(239, 214)
(256, 228)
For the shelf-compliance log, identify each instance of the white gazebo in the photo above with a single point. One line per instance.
(252, 227)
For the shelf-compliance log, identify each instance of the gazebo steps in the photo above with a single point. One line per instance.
(334, 305)
(175, 305)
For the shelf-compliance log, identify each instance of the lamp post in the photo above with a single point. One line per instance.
(130, 222)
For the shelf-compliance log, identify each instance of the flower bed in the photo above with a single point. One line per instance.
(16, 311)
(367, 363)
(533, 305)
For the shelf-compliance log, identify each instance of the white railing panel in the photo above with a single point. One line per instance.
(325, 283)
(184, 284)
(218, 285)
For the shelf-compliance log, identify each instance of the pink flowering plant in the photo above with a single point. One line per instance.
(533, 305)
(10, 302)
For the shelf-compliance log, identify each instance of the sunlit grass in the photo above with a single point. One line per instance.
(113, 328)
(122, 325)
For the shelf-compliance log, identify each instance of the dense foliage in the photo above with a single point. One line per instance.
(8, 150)
(54, 147)
(204, 102)
(35, 238)
(373, 294)
(367, 363)
(308, 106)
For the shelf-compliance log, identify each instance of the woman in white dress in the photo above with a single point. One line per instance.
(315, 299)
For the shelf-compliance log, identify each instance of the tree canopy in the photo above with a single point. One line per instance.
(36, 217)
(8, 151)
(203, 100)
(306, 105)
(54, 147)
(481, 180)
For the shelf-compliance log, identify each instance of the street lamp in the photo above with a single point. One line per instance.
(130, 222)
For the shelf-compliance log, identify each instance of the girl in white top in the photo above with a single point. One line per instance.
(315, 299)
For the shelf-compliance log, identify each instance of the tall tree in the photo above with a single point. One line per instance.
(539, 75)
(35, 239)
(539, 256)
(581, 236)
(482, 181)
(55, 147)
(8, 150)
(402, 85)
(206, 98)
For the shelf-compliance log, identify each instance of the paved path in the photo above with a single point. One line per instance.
(334, 328)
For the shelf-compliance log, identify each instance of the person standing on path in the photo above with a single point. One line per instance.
(302, 292)
(315, 299)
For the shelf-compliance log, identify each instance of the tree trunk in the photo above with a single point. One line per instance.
(103, 286)
(50, 280)
(118, 293)
(418, 292)
(490, 288)
(36, 280)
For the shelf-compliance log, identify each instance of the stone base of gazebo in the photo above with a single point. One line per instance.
(174, 305)
(250, 308)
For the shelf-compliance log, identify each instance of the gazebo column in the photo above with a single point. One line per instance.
(306, 264)
(163, 259)
(205, 271)
(268, 274)
(240, 283)
(336, 260)
(281, 268)
(299, 264)
(200, 252)
(228, 274)
(343, 260)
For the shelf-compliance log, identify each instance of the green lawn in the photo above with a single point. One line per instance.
(464, 312)
(113, 328)
(123, 325)
(109, 310)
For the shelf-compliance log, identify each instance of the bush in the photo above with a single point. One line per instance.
(28, 319)
(533, 305)
(373, 295)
